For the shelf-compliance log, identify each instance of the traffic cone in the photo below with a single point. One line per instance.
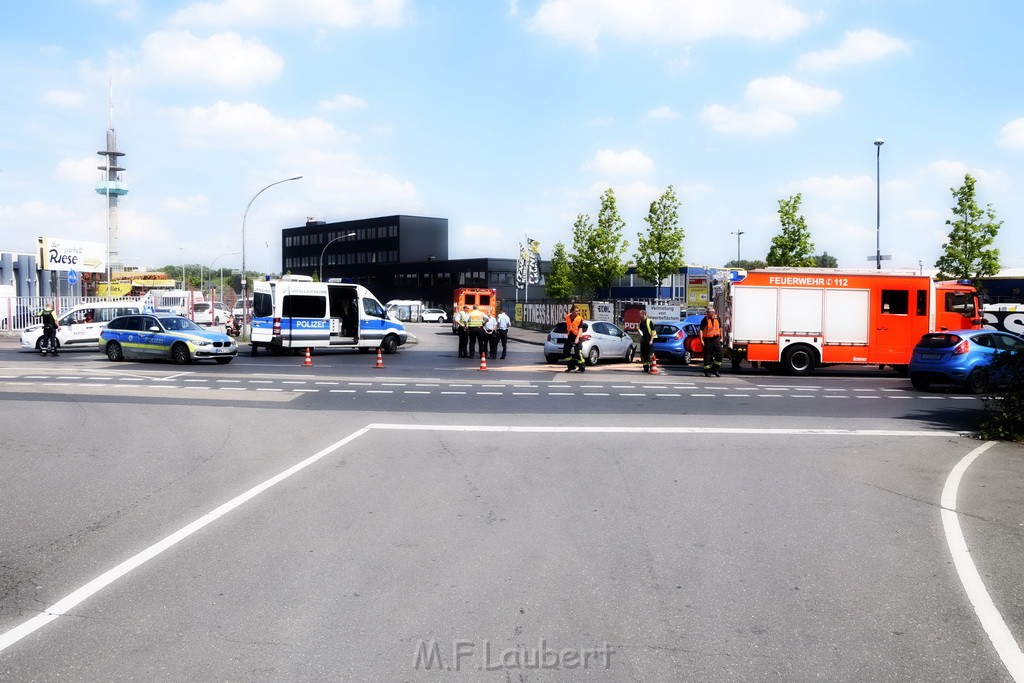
(654, 364)
(483, 361)
(380, 359)
(309, 359)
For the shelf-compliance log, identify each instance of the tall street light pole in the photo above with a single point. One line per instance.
(738, 233)
(878, 203)
(339, 237)
(245, 294)
(234, 253)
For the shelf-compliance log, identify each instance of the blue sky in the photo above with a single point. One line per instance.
(511, 117)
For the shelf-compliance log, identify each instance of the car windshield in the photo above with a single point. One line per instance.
(180, 325)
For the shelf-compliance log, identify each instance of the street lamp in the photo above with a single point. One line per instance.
(234, 253)
(339, 237)
(738, 233)
(183, 285)
(245, 297)
(878, 203)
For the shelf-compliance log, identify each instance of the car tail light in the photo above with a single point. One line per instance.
(584, 337)
(961, 348)
(277, 327)
(678, 335)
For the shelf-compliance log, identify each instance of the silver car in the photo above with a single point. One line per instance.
(600, 340)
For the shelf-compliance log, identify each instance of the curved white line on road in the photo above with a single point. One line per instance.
(996, 629)
(74, 599)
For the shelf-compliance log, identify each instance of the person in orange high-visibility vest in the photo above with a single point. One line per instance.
(711, 338)
(572, 351)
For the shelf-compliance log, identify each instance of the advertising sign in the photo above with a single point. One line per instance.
(603, 310)
(663, 312)
(696, 291)
(59, 254)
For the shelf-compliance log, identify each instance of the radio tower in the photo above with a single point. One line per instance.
(112, 187)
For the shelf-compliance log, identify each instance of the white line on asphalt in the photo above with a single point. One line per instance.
(69, 602)
(554, 429)
(414, 391)
(991, 620)
(343, 391)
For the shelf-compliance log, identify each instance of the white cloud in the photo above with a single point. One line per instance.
(662, 114)
(784, 94)
(342, 103)
(583, 22)
(1011, 135)
(833, 189)
(630, 162)
(753, 123)
(70, 99)
(80, 171)
(249, 126)
(858, 47)
(340, 13)
(224, 59)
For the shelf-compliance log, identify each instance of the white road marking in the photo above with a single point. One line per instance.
(72, 600)
(1006, 647)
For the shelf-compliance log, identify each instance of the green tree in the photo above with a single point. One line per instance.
(968, 252)
(660, 252)
(746, 264)
(792, 246)
(825, 260)
(597, 260)
(559, 280)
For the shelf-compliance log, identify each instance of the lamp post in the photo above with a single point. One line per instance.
(738, 233)
(234, 253)
(245, 296)
(183, 285)
(324, 250)
(878, 203)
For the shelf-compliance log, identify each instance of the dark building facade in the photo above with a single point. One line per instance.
(395, 257)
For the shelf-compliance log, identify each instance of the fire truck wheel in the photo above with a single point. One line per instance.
(799, 359)
(919, 382)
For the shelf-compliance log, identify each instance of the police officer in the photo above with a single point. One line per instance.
(647, 336)
(462, 329)
(711, 339)
(503, 324)
(475, 326)
(50, 328)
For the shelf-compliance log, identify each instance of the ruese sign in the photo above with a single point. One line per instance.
(64, 255)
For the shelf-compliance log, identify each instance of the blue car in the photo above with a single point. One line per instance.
(676, 339)
(163, 336)
(960, 357)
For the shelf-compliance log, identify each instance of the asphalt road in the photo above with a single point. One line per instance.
(428, 520)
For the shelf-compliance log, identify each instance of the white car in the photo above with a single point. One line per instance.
(203, 313)
(80, 326)
(433, 315)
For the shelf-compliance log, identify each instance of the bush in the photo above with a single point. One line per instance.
(1004, 404)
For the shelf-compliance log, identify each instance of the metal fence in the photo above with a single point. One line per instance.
(543, 315)
(19, 312)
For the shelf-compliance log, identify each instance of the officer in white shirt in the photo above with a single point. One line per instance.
(503, 323)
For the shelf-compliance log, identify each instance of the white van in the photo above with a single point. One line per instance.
(80, 326)
(296, 313)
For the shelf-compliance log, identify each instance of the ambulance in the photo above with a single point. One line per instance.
(295, 313)
(486, 299)
(797, 319)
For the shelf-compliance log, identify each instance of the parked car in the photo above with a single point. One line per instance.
(171, 337)
(678, 340)
(80, 325)
(433, 315)
(205, 313)
(600, 340)
(960, 357)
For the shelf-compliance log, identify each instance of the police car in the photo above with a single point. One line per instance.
(162, 336)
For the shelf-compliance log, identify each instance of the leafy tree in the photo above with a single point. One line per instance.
(660, 253)
(559, 280)
(746, 264)
(792, 246)
(597, 260)
(825, 260)
(968, 252)
(1004, 405)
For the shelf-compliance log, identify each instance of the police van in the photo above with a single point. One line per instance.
(81, 325)
(296, 313)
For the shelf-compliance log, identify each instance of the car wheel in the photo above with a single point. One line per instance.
(390, 344)
(223, 361)
(799, 360)
(687, 357)
(593, 356)
(919, 382)
(630, 354)
(114, 352)
(552, 358)
(976, 381)
(179, 353)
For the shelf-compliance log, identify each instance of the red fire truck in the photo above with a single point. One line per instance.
(797, 319)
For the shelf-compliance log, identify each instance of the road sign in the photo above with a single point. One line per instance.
(72, 277)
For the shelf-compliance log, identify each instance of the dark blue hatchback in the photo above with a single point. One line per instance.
(960, 357)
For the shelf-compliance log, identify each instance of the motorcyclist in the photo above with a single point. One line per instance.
(50, 328)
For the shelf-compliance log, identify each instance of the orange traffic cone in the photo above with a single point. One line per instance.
(483, 361)
(309, 359)
(654, 364)
(380, 359)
